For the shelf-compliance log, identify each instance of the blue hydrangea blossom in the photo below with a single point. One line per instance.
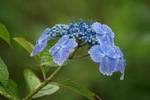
(110, 59)
(98, 37)
(60, 51)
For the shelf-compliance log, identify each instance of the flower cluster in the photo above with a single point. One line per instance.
(98, 37)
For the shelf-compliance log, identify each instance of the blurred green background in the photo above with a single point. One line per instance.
(130, 21)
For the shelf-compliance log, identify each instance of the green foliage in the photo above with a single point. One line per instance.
(8, 88)
(33, 82)
(4, 75)
(12, 89)
(80, 89)
(46, 59)
(7, 95)
(25, 44)
(4, 34)
(47, 90)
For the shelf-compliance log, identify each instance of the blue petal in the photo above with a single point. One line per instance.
(97, 28)
(108, 51)
(54, 49)
(107, 66)
(63, 40)
(108, 30)
(60, 51)
(105, 39)
(70, 45)
(95, 54)
(120, 67)
(38, 47)
(60, 56)
(41, 42)
(45, 35)
(101, 38)
(118, 52)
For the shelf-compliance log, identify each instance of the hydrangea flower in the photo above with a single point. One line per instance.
(98, 37)
(110, 59)
(104, 33)
(60, 51)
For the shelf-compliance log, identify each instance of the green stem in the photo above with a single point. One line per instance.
(44, 76)
(76, 57)
(42, 84)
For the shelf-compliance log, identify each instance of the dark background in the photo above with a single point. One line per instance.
(129, 20)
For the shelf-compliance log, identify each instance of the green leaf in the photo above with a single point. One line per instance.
(7, 95)
(25, 44)
(47, 90)
(46, 59)
(45, 69)
(12, 89)
(4, 34)
(80, 89)
(4, 75)
(33, 82)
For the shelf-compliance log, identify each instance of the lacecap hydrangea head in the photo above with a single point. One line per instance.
(98, 37)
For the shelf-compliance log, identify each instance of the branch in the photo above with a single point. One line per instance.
(80, 56)
(42, 84)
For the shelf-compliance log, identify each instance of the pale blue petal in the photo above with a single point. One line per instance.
(63, 40)
(102, 39)
(119, 65)
(70, 45)
(41, 42)
(111, 52)
(54, 49)
(108, 50)
(108, 30)
(60, 51)
(95, 54)
(44, 35)
(38, 47)
(97, 28)
(110, 41)
(60, 57)
(106, 66)
(118, 52)
(105, 39)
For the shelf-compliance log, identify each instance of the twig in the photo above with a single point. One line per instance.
(42, 84)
